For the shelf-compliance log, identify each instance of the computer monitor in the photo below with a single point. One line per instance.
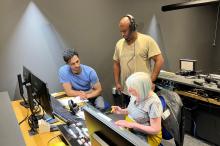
(27, 78)
(26, 75)
(38, 95)
(187, 65)
(103, 131)
(41, 94)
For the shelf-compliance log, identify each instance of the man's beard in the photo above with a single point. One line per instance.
(129, 37)
(77, 71)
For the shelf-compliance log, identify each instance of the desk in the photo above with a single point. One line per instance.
(183, 86)
(197, 97)
(178, 79)
(202, 118)
(36, 140)
(43, 139)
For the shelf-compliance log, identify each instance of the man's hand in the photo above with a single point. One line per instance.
(118, 87)
(83, 95)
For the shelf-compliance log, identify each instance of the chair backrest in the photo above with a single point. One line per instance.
(163, 102)
(174, 123)
(165, 133)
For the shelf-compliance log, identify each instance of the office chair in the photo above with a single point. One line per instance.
(173, 125)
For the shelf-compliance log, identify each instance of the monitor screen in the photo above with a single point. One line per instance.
(41, 94)
(103, 131)
(187, 65)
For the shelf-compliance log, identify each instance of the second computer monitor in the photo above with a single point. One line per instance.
(41, 94)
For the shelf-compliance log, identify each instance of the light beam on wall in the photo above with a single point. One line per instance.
(154, 31)
(36, 44)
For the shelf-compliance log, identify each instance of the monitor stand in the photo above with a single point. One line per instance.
(24, 104)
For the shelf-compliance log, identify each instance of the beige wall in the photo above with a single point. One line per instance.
(35, 35)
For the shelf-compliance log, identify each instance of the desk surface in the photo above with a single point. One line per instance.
(187, 81)
(197, 97)
(36, 140)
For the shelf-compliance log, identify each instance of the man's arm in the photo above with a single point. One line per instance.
(159, 61)
(96, 91)
(69, 91)
(116, 70)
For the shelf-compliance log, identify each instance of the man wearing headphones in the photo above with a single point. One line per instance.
(133, 54)
(80, 80)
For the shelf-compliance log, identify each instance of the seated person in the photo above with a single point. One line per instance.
(80, 80)
(144, 110)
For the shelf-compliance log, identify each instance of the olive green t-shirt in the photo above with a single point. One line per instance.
(135, 57)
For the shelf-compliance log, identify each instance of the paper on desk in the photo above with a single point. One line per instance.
(77, 100)
(80, 114)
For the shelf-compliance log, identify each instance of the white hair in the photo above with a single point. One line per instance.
(141, 82)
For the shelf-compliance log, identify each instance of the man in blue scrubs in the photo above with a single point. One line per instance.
(80, 80)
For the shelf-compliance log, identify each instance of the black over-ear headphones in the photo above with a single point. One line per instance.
(74, 108)
(132, 25)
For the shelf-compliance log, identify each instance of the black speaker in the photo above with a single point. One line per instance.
(20, 83)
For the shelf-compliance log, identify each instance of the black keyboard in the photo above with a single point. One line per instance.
(62, 113)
